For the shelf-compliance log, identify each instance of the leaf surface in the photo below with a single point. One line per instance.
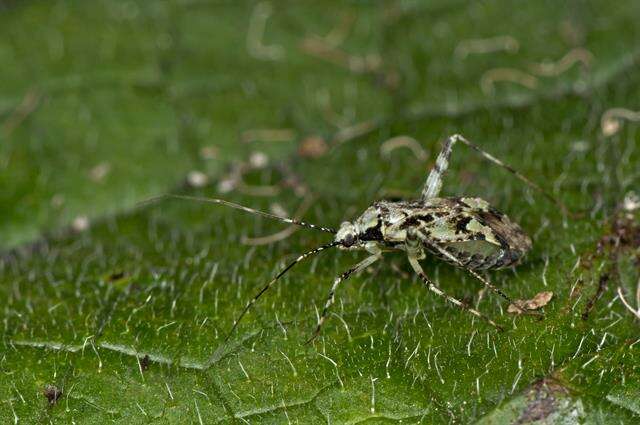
(128, 318)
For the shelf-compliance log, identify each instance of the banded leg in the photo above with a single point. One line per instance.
(433, 288)
(344, 276)
(434, 180)
(274, 280)
(483, 280)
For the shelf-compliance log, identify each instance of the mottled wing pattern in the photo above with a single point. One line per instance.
(476, 234)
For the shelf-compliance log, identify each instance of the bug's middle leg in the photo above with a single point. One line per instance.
(376, 254)
(416, 253)
(433, 288)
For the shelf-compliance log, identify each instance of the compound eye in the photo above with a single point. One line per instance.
(349, 239)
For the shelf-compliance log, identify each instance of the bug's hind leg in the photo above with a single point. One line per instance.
(433, 288)
(375, 256)
(484, 281)
(434, 181)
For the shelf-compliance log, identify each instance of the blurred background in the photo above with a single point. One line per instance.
(113, 311)
(105, 103)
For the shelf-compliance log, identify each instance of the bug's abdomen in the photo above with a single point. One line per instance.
(478, 255)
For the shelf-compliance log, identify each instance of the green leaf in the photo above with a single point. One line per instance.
(126, 320)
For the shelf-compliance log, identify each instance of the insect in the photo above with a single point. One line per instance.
(466, 232)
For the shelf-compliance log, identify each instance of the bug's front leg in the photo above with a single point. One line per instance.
(376, 254)
(414, 254)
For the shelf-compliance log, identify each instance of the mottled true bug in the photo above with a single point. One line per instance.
(466, 232)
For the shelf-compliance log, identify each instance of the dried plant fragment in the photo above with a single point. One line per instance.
(312, 147)
(339, 33)
(542, 400)
(537, 302)
(610, 121)
(268, 135)
(553, 69)
(99, 172)
(319, 48)
(501, 43)
(403, 142)
(349, 133)
(25, 108)
(489, 78)
(257, 25)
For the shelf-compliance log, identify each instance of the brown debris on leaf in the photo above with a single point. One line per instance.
(312, 147)
(621, 237)
(543, 397)
(540, 300)
(52, 393)
(603, 282)
(624, 233)
(144, 362)
(116, 275)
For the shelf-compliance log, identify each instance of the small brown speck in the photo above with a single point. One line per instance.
(144, 362)
(117, 275)
(209, 152)
(312, 147)
(603, 282)
(52, 393)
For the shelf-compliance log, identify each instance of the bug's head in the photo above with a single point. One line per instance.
(366, 228)
(347, 236)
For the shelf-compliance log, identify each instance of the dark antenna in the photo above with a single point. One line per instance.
(241, 208)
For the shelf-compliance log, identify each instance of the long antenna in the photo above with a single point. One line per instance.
(510, 169)
(273, 281)
(241, 208)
